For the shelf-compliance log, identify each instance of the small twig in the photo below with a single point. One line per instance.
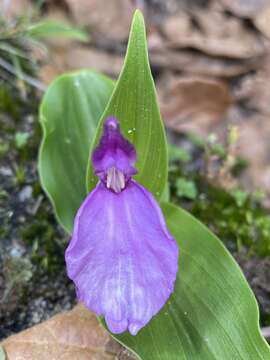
(37, 205)
(266, 332)
(29, 79)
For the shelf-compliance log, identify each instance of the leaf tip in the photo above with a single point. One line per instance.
(138, 18)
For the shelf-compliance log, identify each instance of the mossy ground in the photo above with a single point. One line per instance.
(203, 178)
(33, 283)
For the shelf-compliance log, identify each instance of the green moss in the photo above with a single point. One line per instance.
(7, 102)
(20, 175)
(4, 147)
(46, 243)
(237, 217)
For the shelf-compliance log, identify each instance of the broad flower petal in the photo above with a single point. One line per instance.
(121, 257)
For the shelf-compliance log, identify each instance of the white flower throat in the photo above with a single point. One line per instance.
(115, 180)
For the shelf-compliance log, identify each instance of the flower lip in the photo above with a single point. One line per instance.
(114, 157)
(121, 257)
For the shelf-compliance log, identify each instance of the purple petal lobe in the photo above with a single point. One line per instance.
(114, 157)
(121, 257)
(117, 327)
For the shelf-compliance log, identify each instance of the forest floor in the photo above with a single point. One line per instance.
(210, 64)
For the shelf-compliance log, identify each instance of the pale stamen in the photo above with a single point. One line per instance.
(115, 180)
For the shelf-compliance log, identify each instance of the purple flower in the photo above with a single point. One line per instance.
(121, 257)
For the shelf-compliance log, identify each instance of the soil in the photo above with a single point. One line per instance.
(33, 281)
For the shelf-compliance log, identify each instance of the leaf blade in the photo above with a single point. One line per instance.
(69, 114)
(212, 313)
(134, 104)
(52, 28)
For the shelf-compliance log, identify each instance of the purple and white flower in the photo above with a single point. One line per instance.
(121, 257)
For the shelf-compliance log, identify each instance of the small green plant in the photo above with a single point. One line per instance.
(21, 139)
(186, 188)
(20, 174)
(211, 192)
(17, 40)
(4, 146)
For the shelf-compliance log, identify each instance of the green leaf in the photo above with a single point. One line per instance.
(69, 114)
(212, 314)
(21, 139)
(240, 197)
(178, 154)
(51, 28)
(9, 48)
(134, 104)
(186, 188)
(218, 149)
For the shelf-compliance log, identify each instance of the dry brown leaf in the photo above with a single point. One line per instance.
(259, 90)
(163, 57)
(216, 35)
(108, 18)
(193, 103)
(73, 335)
(244, 8)
(76, 58)
(200, 64)
(262, 21)
(254, 145)
(15, 8)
